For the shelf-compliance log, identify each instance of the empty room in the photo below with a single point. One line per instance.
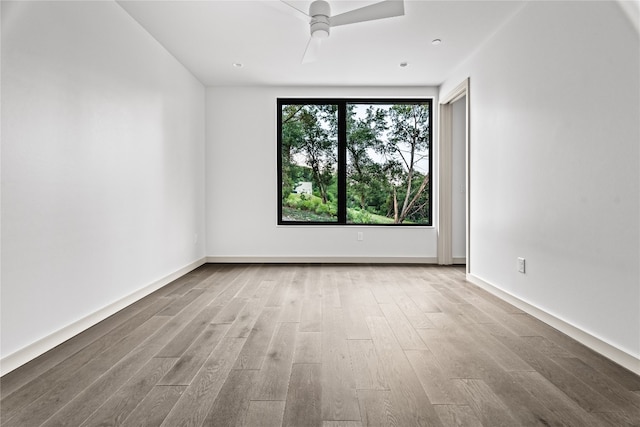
(320, 213)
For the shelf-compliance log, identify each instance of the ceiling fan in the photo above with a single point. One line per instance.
(320, 20)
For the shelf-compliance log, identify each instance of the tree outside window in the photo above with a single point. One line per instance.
(354, 162)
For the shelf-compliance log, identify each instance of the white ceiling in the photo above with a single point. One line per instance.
(208, 37)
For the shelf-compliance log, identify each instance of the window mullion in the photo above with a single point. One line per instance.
(342, 162)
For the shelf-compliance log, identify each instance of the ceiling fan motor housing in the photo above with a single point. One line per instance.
(320, 11)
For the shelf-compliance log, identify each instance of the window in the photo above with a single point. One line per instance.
(354, 161)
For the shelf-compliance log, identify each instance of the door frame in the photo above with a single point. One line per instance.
(445, 189)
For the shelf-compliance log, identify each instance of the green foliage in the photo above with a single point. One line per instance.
(387, 146)
(304, 216)
(387, 161)
(310, 203)
(309, 133)
(357, 216)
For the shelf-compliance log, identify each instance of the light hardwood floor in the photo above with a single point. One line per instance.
(321, 345)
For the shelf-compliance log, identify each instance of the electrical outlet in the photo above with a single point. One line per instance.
(521, 265)
(360, 236)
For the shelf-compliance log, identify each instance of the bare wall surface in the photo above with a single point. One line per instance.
(102, 164)
(242, 196)
(555, 101)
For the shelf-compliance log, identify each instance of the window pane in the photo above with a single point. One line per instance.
(388, 179)
(309, 153)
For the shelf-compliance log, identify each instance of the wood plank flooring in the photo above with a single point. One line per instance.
(320, 345)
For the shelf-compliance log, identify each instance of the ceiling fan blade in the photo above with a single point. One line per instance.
(290, 9)
(381, 10)
(312, 50)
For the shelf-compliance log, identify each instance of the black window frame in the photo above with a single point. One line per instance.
(341, 103)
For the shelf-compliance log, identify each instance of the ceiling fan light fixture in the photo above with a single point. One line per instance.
(320, 11)
(320, 33)
(320, 27)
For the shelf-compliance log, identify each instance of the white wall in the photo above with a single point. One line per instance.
(555, 101)
(102, 165)
(458, 179)
(242, 186)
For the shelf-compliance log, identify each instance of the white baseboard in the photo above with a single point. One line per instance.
(30, 352)
(319, 260)
(459, 260)
(609, 351)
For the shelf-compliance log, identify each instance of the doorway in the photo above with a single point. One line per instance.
(454, 187)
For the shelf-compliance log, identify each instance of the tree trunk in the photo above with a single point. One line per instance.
(323, 191)
(405, 204)
(395, 206)
(423, 185)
